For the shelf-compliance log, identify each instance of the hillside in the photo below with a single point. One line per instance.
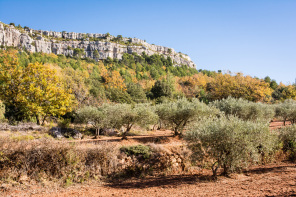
(95, 46)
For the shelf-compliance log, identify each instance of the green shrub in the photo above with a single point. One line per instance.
(77, 52)
(163, 87)
(230, 143)
(288, 140)
(139, 150)
(118, 96)
(137, 93)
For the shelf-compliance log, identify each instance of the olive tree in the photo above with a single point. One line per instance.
(126, 115)
(288, 140)
(286, 110)
(92, 115)
(178, 114)
(245, 109)
(229, 142)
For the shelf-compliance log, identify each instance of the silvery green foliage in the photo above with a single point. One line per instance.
(92, 115)
(178, 114)
(245, 109)
(229, 142)
(117, 115)
(286, 110)
(129, 115)
(288, 139)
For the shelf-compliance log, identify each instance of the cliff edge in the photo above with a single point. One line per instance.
(95, 46)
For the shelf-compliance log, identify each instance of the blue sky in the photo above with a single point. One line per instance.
(256, 37)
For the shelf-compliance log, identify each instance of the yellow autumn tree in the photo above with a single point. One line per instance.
(192, 85)
(289, 93)
(10, 82)
(33, 91)
(238, 86)
(44, 93)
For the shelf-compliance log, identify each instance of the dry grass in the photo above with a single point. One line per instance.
(26, 158)
(62, 162)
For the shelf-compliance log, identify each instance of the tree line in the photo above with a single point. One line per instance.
(36, 86)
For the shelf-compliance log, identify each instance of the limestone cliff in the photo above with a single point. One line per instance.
(65, 43)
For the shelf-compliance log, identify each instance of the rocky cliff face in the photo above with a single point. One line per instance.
(65, 43)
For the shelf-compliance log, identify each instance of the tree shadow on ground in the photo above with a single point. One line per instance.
(267, 169)
(140, 139)
(172, 181)
(164, 182)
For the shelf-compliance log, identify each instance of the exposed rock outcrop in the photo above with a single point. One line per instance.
(65, 43)
(59, 133)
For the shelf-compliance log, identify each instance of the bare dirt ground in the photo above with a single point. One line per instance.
(277, 179)
(270, 180)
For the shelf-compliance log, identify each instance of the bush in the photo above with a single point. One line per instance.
(245, 109)
(137, 93)
(230, 142)
(288, 140)
(77, 52)
(118, 96)
(162, 88)
(142, 150)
